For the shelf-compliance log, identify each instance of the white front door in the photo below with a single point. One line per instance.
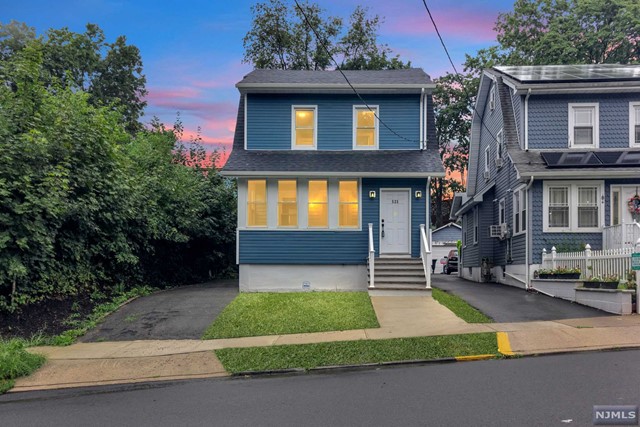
(620, 196)
(394, 222)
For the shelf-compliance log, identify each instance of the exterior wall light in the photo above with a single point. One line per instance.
(372, 194)
(418, 194)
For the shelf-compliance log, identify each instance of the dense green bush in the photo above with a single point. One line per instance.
(84, 205)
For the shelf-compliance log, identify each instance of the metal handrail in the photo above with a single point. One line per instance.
(371, 258)
(425, 254)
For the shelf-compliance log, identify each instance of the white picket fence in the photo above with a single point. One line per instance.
(591, 263)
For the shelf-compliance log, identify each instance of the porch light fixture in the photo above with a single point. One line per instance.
(372, 194)
(418, 194)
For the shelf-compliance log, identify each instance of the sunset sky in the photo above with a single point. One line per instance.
(192, 50)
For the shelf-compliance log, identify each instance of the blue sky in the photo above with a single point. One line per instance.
(192, 50)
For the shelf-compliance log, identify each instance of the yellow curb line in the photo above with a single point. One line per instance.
(504, 346)
(476, 357)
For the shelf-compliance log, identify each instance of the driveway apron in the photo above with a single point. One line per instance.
(505, 303)
(179, 313)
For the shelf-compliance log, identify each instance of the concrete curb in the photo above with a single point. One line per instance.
(364, 366)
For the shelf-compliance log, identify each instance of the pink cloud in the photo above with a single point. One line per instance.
(452, 23)
(171, 93)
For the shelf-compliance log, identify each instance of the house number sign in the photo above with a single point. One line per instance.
(394, 202)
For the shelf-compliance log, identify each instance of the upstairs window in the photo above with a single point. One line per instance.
(348, 206)
(304, 127)
(318, 206)
(365, 127)
(634, 124)
(487, 173)
(499, 150)
(583, 126)
(502, 217)
(257, 203)
(287, 203)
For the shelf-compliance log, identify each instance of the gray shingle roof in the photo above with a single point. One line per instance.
(417, 163)
(411, 76)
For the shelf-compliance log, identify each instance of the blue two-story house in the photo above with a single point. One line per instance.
(333, 179)
(554, 162)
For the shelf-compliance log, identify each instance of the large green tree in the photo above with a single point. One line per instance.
(111, 73)
(304, 38)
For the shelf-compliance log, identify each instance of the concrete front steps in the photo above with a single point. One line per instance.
(399, 276)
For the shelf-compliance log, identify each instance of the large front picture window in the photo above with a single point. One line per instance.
(573, 206)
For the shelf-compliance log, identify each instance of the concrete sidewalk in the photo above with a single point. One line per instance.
(85, 364)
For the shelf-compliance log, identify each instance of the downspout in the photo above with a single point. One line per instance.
(527, 283)
(423, 121)
(526, 121)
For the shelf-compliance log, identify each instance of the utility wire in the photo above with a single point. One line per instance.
(324, 47)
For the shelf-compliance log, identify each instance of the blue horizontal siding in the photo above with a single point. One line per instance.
(334, 247)
(449, 234)
(269, 120)
(549, 119)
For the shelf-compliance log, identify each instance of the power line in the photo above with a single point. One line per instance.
(322, 43)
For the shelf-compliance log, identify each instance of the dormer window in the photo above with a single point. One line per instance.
(583, 126)
(304, 127)
(634, 124)
(365, 127)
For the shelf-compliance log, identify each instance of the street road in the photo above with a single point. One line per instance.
(536, 391)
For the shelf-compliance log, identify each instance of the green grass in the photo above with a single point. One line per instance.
(254, 314)
(460, 307)
(355, 352)
(16, 361)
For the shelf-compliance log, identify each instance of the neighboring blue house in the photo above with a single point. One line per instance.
(322, 172)
(554, 161)
(443, 240)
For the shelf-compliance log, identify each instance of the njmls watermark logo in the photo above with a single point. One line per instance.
(615, 415)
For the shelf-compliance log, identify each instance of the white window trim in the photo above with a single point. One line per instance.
(293, 127)
(376, 110)
(632, 124)
(499, 147)
(476, 226)
(596, 125)
(522, 191)
(502, 211)
(492, 97)
(573, 206)
(302, 201)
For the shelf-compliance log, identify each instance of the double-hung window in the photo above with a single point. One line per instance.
(499, 149)
(519, 210)
(492, 97)
(304, 127)
(365, 127)
(583, 125)
(257, 203)
(287, 203)
(318, 212)
(573, 206)
(348, 206)
(486, 163)
(634, 124)
(502, 209)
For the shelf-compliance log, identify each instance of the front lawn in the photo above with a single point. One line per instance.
(460, 307)
(255, 314)
(16, 361)
(356, 352)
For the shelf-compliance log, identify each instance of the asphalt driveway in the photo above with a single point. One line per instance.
(179, 313)
(505, 303)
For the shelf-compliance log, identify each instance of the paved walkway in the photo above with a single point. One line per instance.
(84, 364)
(178, 313)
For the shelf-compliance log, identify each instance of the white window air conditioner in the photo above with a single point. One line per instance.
(500, 231)
(487, 174)
(499, 162)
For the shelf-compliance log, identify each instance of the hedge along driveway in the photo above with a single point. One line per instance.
(256, 314)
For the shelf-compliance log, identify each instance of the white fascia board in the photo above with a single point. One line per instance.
(557, 88)
(590, 173)
(248, 174)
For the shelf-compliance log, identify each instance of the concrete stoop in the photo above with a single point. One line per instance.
(398, 276)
